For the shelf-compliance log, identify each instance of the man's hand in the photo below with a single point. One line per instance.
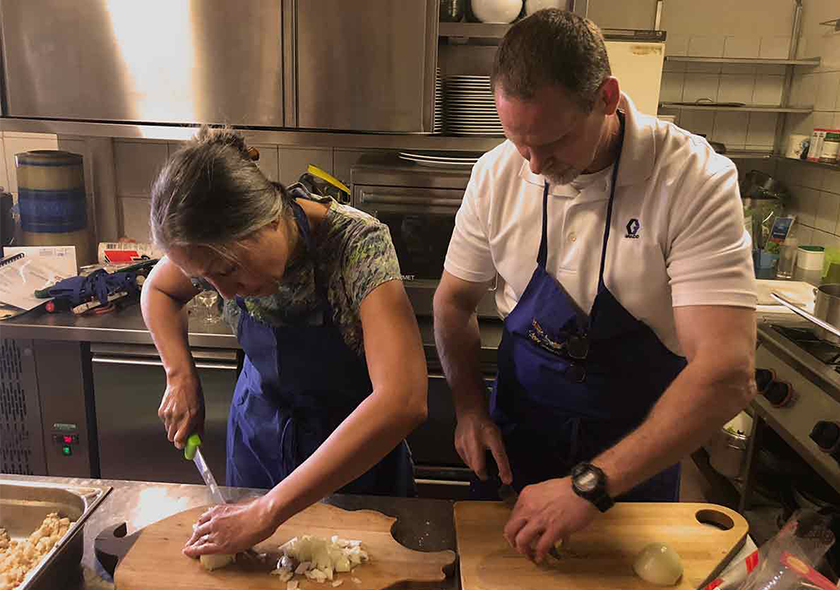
(544, 514)
(474, 435)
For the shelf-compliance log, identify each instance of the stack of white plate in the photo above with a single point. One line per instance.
(442, 159)
(438, 127)
(468, 106)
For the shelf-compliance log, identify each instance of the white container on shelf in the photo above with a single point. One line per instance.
(496, 11)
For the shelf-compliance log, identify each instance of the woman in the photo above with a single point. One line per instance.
(334, 377)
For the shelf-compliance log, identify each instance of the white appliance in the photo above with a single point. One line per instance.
(638, 67)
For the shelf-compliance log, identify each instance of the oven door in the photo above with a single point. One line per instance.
(421, 222)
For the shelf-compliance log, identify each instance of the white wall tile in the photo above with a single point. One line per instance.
(802, 48)
(810, 176)
(827, 212)
(137, 165)
(174, 146)
(761, 130)
(803, 233)
(703, 68)
(821, 238)
(135, 213)
(676, 45)
(836, 122)
(15, 143)
(831, 182)
(808, 201)
(706, 45)
(738, 69)
(823, 119)
(672, 87)
(731, 129)
(736, 88)
(699, 86)
(831, 52)
(698, 122)
(828, 90)
(673, 66)
(774, 47)
(808, 90)
(741, 46)
(768, 90)
(801, 124)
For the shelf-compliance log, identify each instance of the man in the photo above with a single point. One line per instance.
(625, 278)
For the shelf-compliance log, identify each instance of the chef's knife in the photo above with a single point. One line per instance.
(507, 494)
(192, 451)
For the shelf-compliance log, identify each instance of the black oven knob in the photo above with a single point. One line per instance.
(763, 379)
(827, 436)
(779, 394)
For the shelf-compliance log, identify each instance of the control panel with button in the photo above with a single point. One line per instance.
(66, 441)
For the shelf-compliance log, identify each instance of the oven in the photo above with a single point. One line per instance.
(418, 204)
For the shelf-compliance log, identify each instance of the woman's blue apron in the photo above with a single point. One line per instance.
(571, 386)
(298, 383)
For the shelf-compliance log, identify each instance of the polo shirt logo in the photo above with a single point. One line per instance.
(633, 227)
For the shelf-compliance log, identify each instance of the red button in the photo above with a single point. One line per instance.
(68, 439)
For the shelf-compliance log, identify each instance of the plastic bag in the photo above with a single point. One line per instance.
(805, 536)
(786, 562)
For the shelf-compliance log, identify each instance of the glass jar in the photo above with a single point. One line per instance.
(452, 11)
(830, 147)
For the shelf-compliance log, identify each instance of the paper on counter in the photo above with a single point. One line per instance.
(21, 277)
(61, 259)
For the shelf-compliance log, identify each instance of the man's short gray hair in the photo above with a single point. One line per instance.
(552, 47)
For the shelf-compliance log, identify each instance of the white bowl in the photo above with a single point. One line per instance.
(496, 11)
(531, 6)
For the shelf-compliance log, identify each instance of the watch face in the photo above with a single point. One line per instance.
(587, 481)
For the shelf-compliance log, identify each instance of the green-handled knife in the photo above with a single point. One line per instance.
(192, 452)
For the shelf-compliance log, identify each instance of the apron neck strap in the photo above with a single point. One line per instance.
(601, 284)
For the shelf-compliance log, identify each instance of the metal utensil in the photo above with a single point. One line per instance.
(192, 452)
(801, 312)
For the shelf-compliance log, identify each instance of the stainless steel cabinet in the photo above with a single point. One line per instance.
(128, 384)
(170, 61)
(366, 65)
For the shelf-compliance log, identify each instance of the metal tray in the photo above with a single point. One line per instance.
(23, 507)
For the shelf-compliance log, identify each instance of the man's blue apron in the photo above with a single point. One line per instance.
(298, 383)
(571, 386)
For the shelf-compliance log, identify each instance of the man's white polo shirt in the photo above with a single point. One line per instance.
(677, 234)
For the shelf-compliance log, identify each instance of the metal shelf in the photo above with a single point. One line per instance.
(746, 108)
(818, 164)
(497, 31)
(814, 61)
(748, 154)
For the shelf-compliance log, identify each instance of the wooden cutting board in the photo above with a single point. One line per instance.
(153, 560)
(601, 556)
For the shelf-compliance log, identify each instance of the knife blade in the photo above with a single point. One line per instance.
(192, 451)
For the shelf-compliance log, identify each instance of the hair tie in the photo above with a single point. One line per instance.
(253, 153)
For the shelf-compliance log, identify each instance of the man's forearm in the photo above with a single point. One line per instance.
(686, 415)
(458, 344)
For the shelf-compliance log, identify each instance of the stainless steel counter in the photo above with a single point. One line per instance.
(422, 524)
(127, 327)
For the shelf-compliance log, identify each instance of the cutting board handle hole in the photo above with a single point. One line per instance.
(715, 519)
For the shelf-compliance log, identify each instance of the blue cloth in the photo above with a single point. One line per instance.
(298, 383)
(556, 411)
(98, 284)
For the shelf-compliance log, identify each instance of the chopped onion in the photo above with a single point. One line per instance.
(216, 561)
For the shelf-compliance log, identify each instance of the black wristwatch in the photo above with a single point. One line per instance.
(590, 483)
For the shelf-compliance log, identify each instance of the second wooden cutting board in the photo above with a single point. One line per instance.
(601, 556)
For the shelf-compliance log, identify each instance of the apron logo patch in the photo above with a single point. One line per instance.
(538, 336)
(633, 227)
